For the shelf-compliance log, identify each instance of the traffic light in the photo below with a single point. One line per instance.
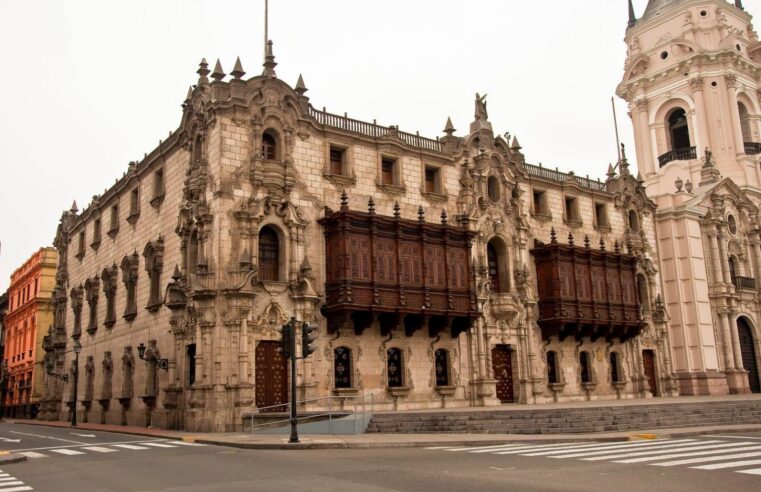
(286, 340)
(307, 337)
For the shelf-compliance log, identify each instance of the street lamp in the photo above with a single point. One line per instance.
(77, 350)
(160, 363)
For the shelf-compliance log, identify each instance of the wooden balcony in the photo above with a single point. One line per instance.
(586, 292)
(397, 272)
(683, 154)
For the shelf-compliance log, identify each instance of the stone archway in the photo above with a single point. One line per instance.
(749, 353)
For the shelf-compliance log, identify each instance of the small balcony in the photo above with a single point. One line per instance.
(752, 148)
(683, 154)
(744, 283)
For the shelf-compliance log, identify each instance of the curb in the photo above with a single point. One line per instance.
(112, 431)
(7, 459)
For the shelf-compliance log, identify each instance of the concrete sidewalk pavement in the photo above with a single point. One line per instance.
(365, 441)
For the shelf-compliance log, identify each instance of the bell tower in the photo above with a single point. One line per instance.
(692, 83)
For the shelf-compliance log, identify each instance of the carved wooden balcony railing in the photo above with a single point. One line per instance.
(397, 272)
(744, 283)
(752, 148)
(586, 293)
(683, 154)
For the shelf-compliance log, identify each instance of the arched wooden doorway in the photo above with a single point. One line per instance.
(748, 352)
(502, 364)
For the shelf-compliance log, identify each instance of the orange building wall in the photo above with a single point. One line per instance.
(30, 312)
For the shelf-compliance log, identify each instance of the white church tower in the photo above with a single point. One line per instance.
(692, 79)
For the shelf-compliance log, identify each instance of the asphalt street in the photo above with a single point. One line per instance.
(62, 459)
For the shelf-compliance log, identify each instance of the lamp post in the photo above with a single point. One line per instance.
(77, 350)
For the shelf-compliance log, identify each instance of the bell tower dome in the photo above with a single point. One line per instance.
(692, 82)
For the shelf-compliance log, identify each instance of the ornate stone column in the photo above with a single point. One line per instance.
(243, 349)
(646, 151)
(729, 363)
(735, 341)
(735, 113)
(697, 92)
(718, 275)
(724, 258)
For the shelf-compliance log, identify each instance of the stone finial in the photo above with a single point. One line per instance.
(269, 62)
(74, 208)
(189, 96)
(611, 171)
(602, 245)
(421, 214)
(515, 146)
(238, 72)
(344, 201)
(371, 206)
(553, 236)
(444, 217)
(177, 275)
(301, 87)
(218, 74)
(570, 238)
(679, 183)
(616, 246)
(688, 186)
(586, 241)
(203, 71)
(449, 128)
(624, 163)
(738, 4)
(632, 17)
(397, 211)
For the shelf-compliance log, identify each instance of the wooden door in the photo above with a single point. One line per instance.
(502, 364)
(748, 353)
(648, 360)
(271, 377)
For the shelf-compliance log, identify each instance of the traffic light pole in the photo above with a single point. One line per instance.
(294, 423)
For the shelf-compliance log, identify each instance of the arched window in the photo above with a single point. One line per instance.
(342, 367)
(744, 122)
(633, 221)
(394, 368)
(615, 368)
(496, 257)
(642, 292)
(586, 369)
(198, 149)
(441, 357)
(269, 254)
(492, 188)
(269, 147)
(552, 367)
(679, 131)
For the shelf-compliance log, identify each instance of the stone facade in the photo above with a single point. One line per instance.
(203, 250)
(29, 312)
(692, 83)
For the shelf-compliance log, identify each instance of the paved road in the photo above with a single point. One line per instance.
(70, 460)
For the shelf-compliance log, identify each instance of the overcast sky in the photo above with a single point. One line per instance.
(90, 85)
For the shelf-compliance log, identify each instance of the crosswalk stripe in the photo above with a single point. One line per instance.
(544, 447)
(129, 446)
(755, 471)
(664, 450)
(480, 448)
(68, 452)
(437, 447)
(8, 479)
(188, 443)
(707, 459)
(4, 475)
(686, 455)
(10, 484)
(33, 454)
(99, 449)
(158, 444)
(492, 450)
(17, 489)
(626, 449)
(608, 447)
(733, 464)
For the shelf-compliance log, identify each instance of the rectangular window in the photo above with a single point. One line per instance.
(114, 217)
(571, 209)
(601, 215)
(388, 171)
(96, 231)
(432, 180)
(81, 249)
(337, 161)
(133, 202)
(540, 202)
(191, 364)
(158, 183)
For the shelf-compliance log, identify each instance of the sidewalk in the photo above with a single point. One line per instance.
(365, 441)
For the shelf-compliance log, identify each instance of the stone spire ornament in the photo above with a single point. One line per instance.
(444, 217)
(632, 16)
(516, 146)
(397, 211)
(203, 71)
(421, 214)
(624, 164)
(553, 236)
(371, 206)
(238, 72)
(218, 74)
(269, 62)
(449, 128)
(189, 96)
(611, 171)
(344, 201)
(739, 4)
(74, 208)
(301, 88)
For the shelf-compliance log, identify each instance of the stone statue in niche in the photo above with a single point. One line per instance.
(128, 369)
(108, 371)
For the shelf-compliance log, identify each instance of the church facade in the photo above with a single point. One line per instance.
(441, 272)
(692, 83)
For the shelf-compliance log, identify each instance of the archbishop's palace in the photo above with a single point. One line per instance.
(441, 272)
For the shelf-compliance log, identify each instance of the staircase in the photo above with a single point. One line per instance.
(571, 420)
